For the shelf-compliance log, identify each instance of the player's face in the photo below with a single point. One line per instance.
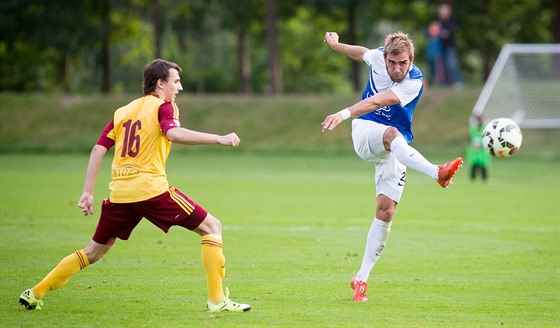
(172, 86)
(398, 66)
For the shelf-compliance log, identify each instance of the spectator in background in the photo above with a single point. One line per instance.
(434, 54)
(478, 158)
(449, 51)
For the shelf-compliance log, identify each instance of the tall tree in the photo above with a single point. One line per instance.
(275, 69)
(244, 60)
(555, 28)
(351, 9)
(239, 15)
(104, 12)
(157, 21)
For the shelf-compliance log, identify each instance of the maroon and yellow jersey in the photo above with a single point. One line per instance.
(138, 132)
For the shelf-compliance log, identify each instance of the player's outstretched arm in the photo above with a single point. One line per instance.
(191, 137)
(353, 52)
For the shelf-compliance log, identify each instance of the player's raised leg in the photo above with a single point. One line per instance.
(412, 158)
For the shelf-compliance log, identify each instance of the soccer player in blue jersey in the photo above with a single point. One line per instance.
(381, 133)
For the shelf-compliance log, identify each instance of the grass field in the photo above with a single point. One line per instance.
(479, 255)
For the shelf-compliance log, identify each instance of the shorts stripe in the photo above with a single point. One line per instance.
(83, 262)
(182, 202)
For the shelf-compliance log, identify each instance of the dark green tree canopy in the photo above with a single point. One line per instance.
(88, 45)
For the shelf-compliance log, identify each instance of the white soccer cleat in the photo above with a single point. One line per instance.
(227, 305)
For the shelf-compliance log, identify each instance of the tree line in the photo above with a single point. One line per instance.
(240, 46)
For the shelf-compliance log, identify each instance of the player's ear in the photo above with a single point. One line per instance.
(160, 83)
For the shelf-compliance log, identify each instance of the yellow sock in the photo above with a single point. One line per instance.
(214, 264)
(60, 275)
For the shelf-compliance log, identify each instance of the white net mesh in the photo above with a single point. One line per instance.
(524, 85)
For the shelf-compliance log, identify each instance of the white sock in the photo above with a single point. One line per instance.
(376, 241)
(410, 157)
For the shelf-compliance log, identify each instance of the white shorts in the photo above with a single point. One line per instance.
(390, 174)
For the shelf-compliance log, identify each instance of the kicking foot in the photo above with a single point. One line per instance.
(447, 171)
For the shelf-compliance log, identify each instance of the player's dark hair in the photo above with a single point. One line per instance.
(396, 43)
(157, 69)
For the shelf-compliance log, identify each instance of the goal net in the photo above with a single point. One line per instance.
(524, 85)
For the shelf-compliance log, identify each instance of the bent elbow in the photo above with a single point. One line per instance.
(172, 135)
(97, 148)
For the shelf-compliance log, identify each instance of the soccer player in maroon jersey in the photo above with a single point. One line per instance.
(142, 133)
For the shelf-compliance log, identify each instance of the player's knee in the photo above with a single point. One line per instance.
(94, 256)
(216, 227)
(389, 135)
(94, 251)
(385, 214)
(210, 225)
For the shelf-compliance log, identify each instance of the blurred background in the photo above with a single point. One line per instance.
(242, 46)
(256, 67)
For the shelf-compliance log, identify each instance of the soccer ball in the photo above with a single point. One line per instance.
(502, 137)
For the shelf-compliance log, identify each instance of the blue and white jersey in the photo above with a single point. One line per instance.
(408, 91)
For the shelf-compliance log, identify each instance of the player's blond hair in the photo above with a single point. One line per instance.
(398, 42)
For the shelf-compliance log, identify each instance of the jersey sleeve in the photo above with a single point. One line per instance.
(369, 56)
(106, 139)
(168, 115)
(407, 90)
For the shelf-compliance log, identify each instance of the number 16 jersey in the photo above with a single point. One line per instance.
(138, 132)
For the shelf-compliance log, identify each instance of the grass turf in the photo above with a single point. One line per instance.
(478, 255)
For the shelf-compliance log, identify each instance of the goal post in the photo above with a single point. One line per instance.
(524, 85)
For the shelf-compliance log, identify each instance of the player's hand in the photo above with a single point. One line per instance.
(331, 122)
(229, 140)
(86, 203)
(331, 38)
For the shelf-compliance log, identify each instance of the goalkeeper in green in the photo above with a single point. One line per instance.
(478, 158)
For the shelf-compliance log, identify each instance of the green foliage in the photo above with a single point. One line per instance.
(57, 33)
(23, 67)
(500, 22)
(57, 45)
(478, 255)
(312, 71)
